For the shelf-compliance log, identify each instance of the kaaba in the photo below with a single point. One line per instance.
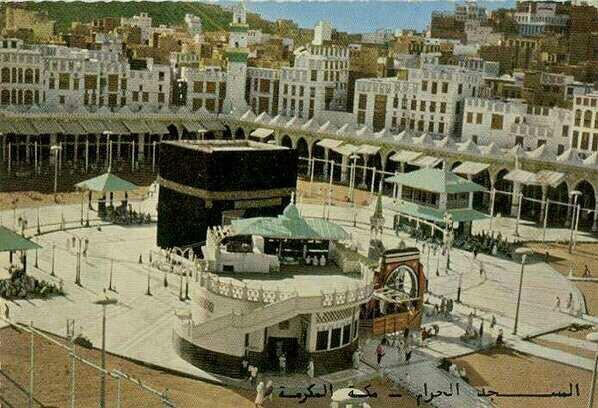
(208, 183)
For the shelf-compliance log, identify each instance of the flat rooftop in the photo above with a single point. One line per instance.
(307, 280)
(212, 146)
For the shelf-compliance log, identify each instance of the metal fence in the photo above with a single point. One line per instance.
(43, 371)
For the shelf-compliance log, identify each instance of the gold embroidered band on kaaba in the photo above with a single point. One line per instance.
(225, 195)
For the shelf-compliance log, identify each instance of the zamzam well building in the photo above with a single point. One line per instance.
(208, 183)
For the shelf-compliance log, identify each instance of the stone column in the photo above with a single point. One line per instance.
(365, 170)
(543, 204)
(76, 150)
(470, 205)
(118, 143)
(98, 140)
(27, 152)
(344, 166)
(326, 164)
(569, 209)
(52, 143)
(515, 199)
(141, 148)
(595, 223)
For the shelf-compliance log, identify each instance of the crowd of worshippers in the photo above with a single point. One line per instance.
(125, 215)
(485, 243)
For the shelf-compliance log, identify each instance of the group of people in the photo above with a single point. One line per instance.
(400, 343)
(569, 307)
(486, 243)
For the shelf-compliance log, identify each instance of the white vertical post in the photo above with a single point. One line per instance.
(154, 156)
(132, 156)
(86, 155)
(576, 225)
(9, 157)
(31, 366)
(520, 199)
(35, 155)
(492, 197)
(545, 220)
(311, 176)
(330, 188)
(373, 179)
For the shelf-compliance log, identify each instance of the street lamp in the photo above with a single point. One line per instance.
(573, 194)
(104, 302)
(593, 337)
(448, 232)
(523, 252)
(56, 149)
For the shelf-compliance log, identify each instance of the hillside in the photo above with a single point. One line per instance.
(170, 13)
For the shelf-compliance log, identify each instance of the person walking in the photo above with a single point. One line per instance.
(245, 367)
(482, 331)
(259, 397)
(570, 302)
(493, 322)
(310, 369)
(499, 338)
(407, 350)
(557, 304)
(586, 272)
(253, 375)
(380, 351)
(269, 391)
(282, 363)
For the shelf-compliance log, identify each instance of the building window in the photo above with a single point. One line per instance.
(422, 106)
(479, 118)
(346, 334)
(585, 141)
(587, 119)
(474, 138)
(145, 97)
(61, 99)
(565, 131)
(361, 117)
(441, 127)
(424, 86)
(541, 142)
(322, 340)
(434, 88)
(496, 122)
(314, 75)
(575, 139)
(414, 104)
(431, 127)
(519, 140)
(595, 142)
(211, 87)
(560, 149)
(445, 87)
(460, 89)
(335, 338)
(363, 100)
(432, 107)
(469, 117)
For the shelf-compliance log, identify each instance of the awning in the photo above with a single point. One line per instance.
(262, 133)
(329, 143)
(10, 241)
(436, 215)
(72, 127)
(193, 126)
(157, 128)
(24, 127)
(346, 149)
(470, 168)
(46, 126)
(435, 180)
(405, 156)
(549, 178)
(94, 126)
(521, 176)
(214, 125)
(106, 182)
(136, 126)
(426, 161)
(116, 127)
(368, 149)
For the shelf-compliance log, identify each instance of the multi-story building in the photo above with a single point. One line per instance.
(427, 99)
(21, 81)
(509, 123)
(470, 11)
(263, 86)
(322, 33)
(585, 123)
(148, 87)
(18, 18)
(317, 81)
(193, 23)
(237, 53)
(537, 17)
(205, 88)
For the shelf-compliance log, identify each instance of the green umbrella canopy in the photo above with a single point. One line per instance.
(11, 241)
(107, 182)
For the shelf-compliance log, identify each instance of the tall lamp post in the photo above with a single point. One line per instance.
(104, 302)
(523, 252)
(448, 237)
(573, 194)
(593, 337)
(56, 149)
